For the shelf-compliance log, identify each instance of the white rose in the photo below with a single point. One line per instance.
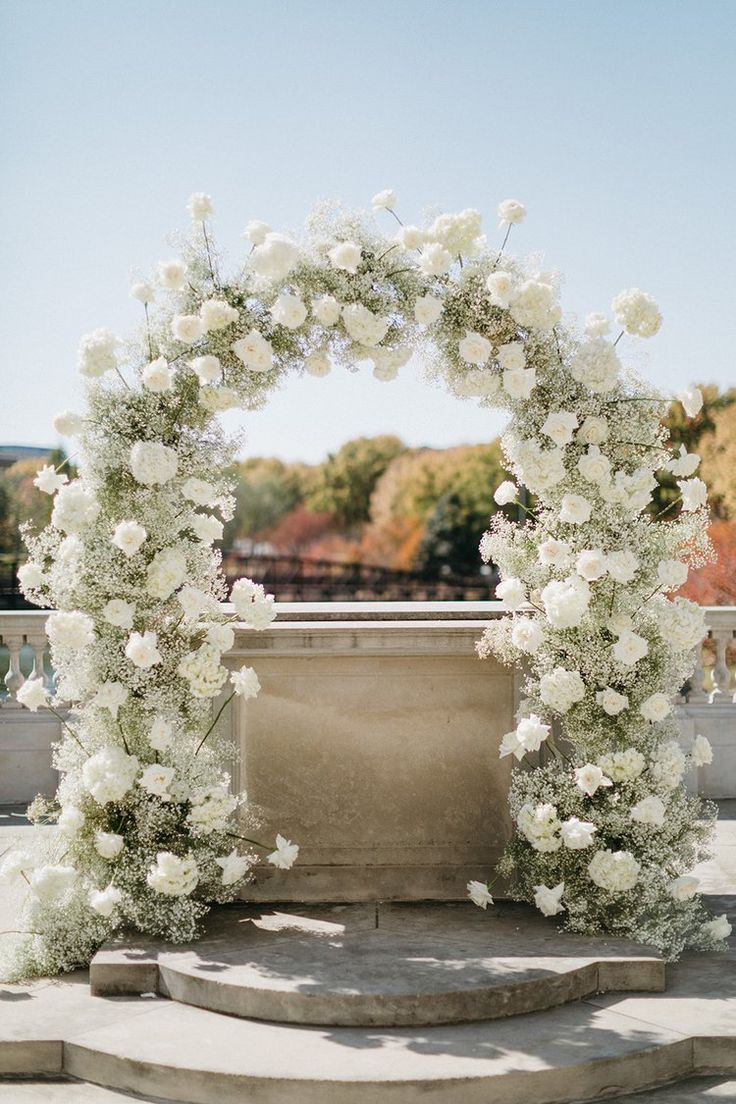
(427, 309)
(363, 325)
(596, 325)
(346, 255)
(512, 593)
(289, 310)
(623, 766)
(549, 901)
(650, 810)
(554, 553)
(655, 708)
(591, 564)
(199, 206)
(511, 212)
(531, 732)
(108, 844)
(630, 648)
(590, 778)
(152, 463)
(596, 365)
(105, 901)
(97, 354)
(255, 351)
(157, 376)
(326, 310)
(435, 259)
(566, 601)
(475, 349)
(256, 231)
(156, 780)
(615, 871)
(637, 312)
(577, 834)
(501, 289)
(70, 424)
(119, 613)
(33, 694)
(671, 574)
(527, 635)
(172, 275)
(622, 566)
(611, 702)
(520, 383)
(200, 492)
(559, 426)
(683, 888)
(31, 576)
(561, 689)
(285, 854)
(511, 356)
(574, 509)
(318, 364)
(207, 368)
(142, 650)
(245, 683)
(479, 894)
(505, 493)
(274, 257)
(143, 292)
(216, 314)
(173, 876)
(385, 200)
(593, 431)
(128, 537)
(411, 237)
(234, 867)
(593, 466)
(187, 328)
(694, 494)
(207, 528)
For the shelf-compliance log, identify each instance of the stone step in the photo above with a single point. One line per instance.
(388, 965)
(68, 1091)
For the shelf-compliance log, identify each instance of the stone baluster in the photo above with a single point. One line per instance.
(14, 678)
(721, 673)
(696, 692)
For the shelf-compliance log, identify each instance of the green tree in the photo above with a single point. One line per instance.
(266, 491)
(343, 485)
(450, 541)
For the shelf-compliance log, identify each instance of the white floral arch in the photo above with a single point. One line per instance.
(150, 834)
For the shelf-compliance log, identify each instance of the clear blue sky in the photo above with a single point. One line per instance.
(612, 122)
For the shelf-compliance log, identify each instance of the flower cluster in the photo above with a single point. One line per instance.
(144, 808)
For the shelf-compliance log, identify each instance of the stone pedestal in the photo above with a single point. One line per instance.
(374, 745)
(26, 741)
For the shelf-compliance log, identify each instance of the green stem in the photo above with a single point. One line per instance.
(618, 338)
(122, 377)
(148, 331)
(209, 255)
(392, 212)
(70, 730)
(245, 839)
(219, 714)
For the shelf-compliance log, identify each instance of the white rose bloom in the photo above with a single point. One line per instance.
(479, 894)
(108, 844)
(70, 424)
(531, 732)
(566, 601)
(173, 876)
(256, 231)
(31, 576)
(234, 867)
(327, 310)
(285, 854)
(211, 810)
(143, 292)
(187, 328)
(593, 466)
(511, 356)
(590, 778)
(655, 708)
(692, 401)
(501, 286)
(630, 648)
(510, 745)
(577, 834)
(505, 493)
(172, 275)
(538, 468)
(152, 463)
(554, 553)
(128, 537)
(511, 212)
(694, 494)
(49, 480)
(650, 810)
(575, 510)
(559, 426)
(196, 602)
(427, 309)
(385, 200)
(520, 383)
(216, 314)
(156, 780)
(105, 901)
(15, 864)
(475, 349)
(289, 310)
(161, 734)
(157, 376)
(539, 824)
(593, 431)
(717, 929)
(512, 593)
(615, 871)
(346, 255)
(534, 306)
(200, 492)
(221, 637)
(682, 464)
(637, 312)
(701, 752)
(435, 260)
(275, 257)
(622, 566)
(50, 883)
(245, 683)
(549, 901)
(457, 233)
(363, 325)
(96, 354)
(318, 364)
(70, 820)
(199, 206)
(619, 623)
(207, 528)
(591, 564)
(142, 650)
(206, 368)
(32, 694)
(671, 574)
(75, 507)
(596, 365)
(109, 774)
(119, 613)
(111, 695)
(255, 351)
(527, 635)
(596, 325)
(166, 573)
(70, 630)
(561, 689)
(252, 604)
(623, 766)
(681, 623)
(411, 237)
(683, 888)
(611, 702)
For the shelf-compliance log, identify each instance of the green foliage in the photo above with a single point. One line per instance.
(343, 485)
(266, 491)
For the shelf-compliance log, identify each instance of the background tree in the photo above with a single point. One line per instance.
(266, 491)
(343, 485)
